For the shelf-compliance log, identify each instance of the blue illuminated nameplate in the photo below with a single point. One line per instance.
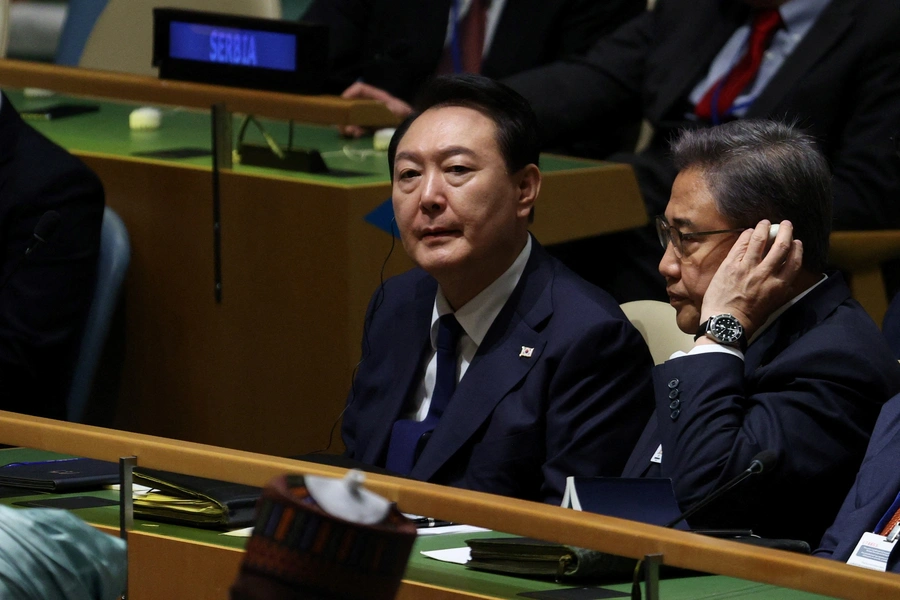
(237, 47)
(234, 50)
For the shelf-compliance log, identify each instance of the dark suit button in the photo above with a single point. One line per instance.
(674, 383)
(674, 404)
(675, 413)
(673, 394)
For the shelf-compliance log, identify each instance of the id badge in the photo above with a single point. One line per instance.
(872, 552)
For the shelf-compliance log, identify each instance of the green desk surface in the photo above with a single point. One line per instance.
(106, 132)
(420, 568)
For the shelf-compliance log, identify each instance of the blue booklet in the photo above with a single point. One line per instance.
(648, 499)
(60, 475)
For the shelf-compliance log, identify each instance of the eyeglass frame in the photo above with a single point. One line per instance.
(664, 233)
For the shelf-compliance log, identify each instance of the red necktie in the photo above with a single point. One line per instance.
(726, 90)
(467, 42)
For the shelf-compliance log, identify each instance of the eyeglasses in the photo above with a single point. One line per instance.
(667, 234)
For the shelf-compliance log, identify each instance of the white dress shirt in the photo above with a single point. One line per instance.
(475, 317)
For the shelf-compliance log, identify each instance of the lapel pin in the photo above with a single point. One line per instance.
(526, 352)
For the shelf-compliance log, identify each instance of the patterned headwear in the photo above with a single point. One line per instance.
(299, 550)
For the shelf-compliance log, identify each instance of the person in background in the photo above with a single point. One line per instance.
(873, 503)
(44, 296)
(784, 360)
(491, 366)
(386, 49)
(831, 66)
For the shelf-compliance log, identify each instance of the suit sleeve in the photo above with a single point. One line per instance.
(600, 398)
(873, 492)
(865, 164)
(583, 22)
(589, 90)
(347, 22)
(814, 410)
(44, 305)
(349, 423)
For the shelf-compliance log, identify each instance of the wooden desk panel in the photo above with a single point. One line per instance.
(625, 538)
(268, 368)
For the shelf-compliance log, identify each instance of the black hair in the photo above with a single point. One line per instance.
(517, 128)
(760, 169)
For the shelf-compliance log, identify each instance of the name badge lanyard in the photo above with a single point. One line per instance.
(888, 516)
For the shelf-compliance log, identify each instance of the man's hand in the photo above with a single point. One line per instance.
(370, 92)
(751, 283)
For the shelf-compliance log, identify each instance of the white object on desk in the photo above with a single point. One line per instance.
(145, 118)
(382, 138)
(459, 556)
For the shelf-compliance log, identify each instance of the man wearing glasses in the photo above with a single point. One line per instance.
(783, 361)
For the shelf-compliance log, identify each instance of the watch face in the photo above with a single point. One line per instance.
(726, 329)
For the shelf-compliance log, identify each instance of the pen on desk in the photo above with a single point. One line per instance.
(423, 522)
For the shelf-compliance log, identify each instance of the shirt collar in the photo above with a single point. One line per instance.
(799, 15)
(781, 310)
(478, 314)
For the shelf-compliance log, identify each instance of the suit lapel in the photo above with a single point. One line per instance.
(407, 368)
(827, 31)
(716, 23)
(497, 366)
(639, 461)
(509, 34)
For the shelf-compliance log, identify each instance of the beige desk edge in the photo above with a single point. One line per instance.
(504, 514)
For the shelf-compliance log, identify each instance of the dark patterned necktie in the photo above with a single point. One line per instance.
(408, 437)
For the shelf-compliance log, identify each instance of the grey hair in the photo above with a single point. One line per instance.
(759, 169)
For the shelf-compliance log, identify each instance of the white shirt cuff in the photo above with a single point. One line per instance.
(706, 348)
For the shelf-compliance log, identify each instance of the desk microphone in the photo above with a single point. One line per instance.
(43, 231)
(761, 463)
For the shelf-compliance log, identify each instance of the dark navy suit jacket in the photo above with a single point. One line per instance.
(396, 45)
(876, 487)
(44, 306)
(809, 389)
(516, 425)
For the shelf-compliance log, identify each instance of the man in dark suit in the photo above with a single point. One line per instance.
(44, 302)
(386, 49)
(784, 359)
(872, 504)
(831, 66)
(545, 376)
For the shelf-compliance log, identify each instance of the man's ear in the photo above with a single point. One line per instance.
(529, 188)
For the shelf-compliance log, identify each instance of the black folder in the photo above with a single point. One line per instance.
(195, 501)
(60, 475)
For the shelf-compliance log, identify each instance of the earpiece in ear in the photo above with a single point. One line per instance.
(773, 231)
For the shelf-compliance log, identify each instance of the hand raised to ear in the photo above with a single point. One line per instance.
(751, 283)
